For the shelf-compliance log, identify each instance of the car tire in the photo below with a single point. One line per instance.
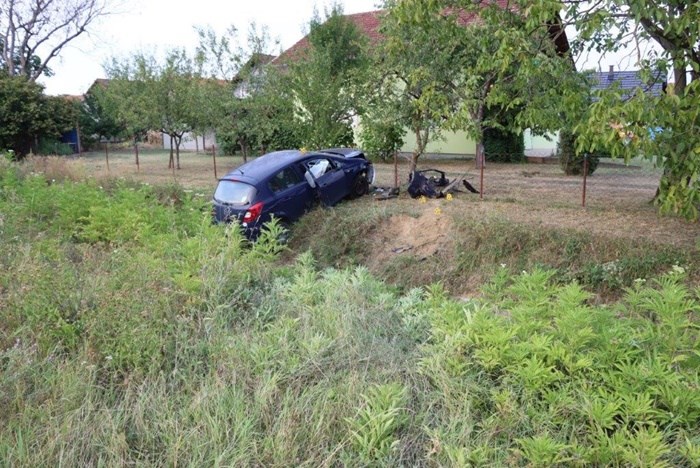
(360, 185)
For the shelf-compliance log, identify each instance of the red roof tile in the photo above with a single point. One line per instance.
(367, 23)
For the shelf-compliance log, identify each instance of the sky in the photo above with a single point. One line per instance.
(158, 25)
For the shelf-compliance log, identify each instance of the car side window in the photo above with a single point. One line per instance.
(320, 166)
(284, 179)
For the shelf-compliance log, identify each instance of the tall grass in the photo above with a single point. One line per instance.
(134, 332)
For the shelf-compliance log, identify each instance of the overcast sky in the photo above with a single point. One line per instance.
(157, 25)
(162, 24)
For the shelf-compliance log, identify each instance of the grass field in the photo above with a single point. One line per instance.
(521, 330)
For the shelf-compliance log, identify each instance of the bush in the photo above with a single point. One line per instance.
(380, 140)
(570, 159)
(228, 144)
(50, 146)
(504, 146)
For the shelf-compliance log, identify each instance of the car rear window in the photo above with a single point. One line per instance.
(235, 193)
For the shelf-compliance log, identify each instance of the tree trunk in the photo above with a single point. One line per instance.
(204, 144)
(171, 161)
(244, 149)
(421, 142)
(480, 153)
(196, 144)
(178, 141)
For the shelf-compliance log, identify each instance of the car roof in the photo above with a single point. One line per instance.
(268, 164)
(345, 152)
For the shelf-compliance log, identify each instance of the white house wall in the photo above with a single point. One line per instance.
(188, 143)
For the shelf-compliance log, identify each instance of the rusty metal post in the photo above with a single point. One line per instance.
(107, 155)
(481, 161)
(396, 169)
(481, 182)
(585, 175)
(213, 153)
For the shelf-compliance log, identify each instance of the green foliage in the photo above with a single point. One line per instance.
(28, 115)
(662, 128)
(570, 157)
(324, 80)
(373, 429)
(567, 382)
(495, 72)
(504, 146)
(52, 146)
(98, 117)
(136, 332)
(381, 138)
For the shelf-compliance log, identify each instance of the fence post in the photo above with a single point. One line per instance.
(213, 153)
(107, 155)
(585, 175)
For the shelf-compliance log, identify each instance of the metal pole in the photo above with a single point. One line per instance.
(107, 155)
(213, 153)
(481, 157)
(396, 169)
(585, 174)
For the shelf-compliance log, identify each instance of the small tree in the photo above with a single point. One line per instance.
(150, 95)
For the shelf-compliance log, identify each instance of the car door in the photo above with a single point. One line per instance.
(331, 181)
(292, 196)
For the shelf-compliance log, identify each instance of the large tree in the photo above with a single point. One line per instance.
(254, 110)
(325, 79)
(27, 115)
(662, 127)
(34, 32)
(481, 66)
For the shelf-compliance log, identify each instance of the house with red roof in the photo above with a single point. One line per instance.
(452, 144)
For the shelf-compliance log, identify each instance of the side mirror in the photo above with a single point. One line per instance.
(310, 179)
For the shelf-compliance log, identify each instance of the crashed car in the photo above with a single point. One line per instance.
(287, 184)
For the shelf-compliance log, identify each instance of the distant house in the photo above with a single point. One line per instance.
(629, 82)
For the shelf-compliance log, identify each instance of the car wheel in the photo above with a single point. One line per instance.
(360, 185)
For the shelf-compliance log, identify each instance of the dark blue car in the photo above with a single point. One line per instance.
(286, 184)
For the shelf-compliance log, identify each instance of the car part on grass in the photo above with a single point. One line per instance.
(432, 183)
(385, 193)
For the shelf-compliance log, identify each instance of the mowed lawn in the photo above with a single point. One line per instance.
(618, 197)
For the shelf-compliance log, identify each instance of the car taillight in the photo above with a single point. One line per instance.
(253, 213)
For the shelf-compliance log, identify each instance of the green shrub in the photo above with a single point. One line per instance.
(381, 139)
(554, 380)
(571, 160)
(52, 146)
(504, 146)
